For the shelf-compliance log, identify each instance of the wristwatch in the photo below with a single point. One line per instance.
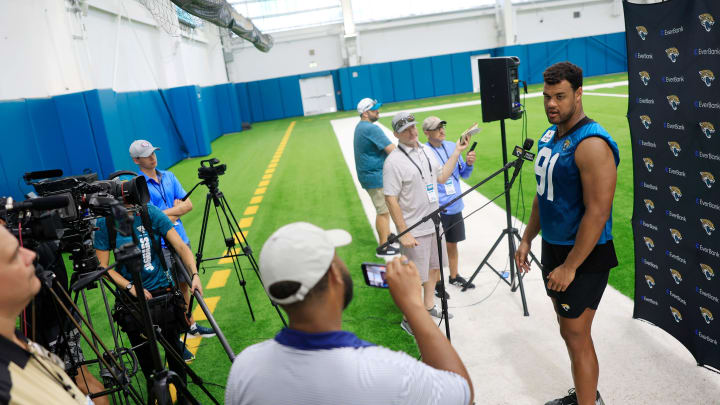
(129, 286)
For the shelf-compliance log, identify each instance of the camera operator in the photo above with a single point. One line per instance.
(157, 282)
(28, 372)
(166, 193)
(313, 361)
(50, 327)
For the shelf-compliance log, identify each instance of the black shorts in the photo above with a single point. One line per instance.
(454, 227)
(590, 281)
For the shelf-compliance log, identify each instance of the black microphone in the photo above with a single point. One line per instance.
(522, 155)
(41, 203)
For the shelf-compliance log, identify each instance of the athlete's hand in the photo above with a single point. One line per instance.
(560, 278)
(408, 241)
(521, 255)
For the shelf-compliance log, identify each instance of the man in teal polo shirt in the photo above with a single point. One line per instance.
(371, 148)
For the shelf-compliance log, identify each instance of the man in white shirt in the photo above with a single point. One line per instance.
(314, 362)
(410, 183)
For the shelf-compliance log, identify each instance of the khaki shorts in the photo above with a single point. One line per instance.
(378, 200)
(425, 255)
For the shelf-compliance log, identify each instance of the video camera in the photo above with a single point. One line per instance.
(66, 209)
(211, 171)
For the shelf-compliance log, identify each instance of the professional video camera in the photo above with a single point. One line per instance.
(66, 210)
(210, 172)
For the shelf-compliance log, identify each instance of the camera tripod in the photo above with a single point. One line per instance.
(235, 241)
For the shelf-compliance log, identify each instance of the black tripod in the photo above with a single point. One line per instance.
(512, 233)
(234, 239)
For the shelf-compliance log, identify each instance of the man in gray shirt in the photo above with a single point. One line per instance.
(410, 180)
(313, 361)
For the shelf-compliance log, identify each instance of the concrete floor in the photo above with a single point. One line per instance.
(513, 359)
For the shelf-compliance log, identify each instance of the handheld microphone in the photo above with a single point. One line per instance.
(41, 203)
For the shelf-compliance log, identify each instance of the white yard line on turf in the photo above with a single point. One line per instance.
(522, 360)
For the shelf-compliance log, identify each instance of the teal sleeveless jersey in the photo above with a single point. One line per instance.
(559, 188)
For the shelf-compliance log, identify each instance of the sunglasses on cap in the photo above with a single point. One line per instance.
(403, 121)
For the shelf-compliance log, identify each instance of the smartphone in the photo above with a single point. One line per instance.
(374, 274)
(472, 148)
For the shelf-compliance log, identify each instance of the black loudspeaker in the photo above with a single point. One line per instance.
(499, 88)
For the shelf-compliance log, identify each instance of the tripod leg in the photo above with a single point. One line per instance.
(513, 271)
(484, 261)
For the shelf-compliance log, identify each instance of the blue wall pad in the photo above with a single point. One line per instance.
(243, 100)
(381, 79)
(442, 75)
(422, 77)
(402, 80)
(290, 96)
(462, 75)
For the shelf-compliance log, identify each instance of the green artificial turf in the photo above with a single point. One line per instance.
(312, 183)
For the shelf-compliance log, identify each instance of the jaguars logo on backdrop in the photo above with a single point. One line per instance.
(673, 54)
(675, 148)
(676, 193)
(649, 243)
(646, 121)
(707, 271)
(650, 205)
(677, 277)
(676, 235)
(645, 77)
(707, 178)
(706, 314)
(707, 225)
(674, 101)
(649, 164)
(676, 314)
(642, 31)
(707, 128)
(707, 76)
(706, 20)
(650, 281)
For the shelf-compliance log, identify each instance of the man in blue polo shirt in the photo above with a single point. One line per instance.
(371, 148)
(166, 193)
(452, 218)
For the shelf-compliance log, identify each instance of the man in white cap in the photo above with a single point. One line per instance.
(313, 361)
(452, 217)
(371, 148)
(166, 193)
(410, 180)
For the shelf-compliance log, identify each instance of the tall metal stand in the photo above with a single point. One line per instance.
(516, 280)
(235, 241)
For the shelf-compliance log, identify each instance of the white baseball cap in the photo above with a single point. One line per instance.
(299, 252)
(368, 104)
(141, 148)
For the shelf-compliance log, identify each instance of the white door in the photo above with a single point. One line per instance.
(318, 95)
(474, 70)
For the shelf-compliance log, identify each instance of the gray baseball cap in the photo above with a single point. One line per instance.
(141, 148)
(402, 121)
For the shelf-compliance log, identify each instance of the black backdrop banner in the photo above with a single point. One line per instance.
(673, 52)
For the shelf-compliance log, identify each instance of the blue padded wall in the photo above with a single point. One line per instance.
(422, 77)
(381, 78)
(402, 80)
(442, 75)
(462, 75)
(290, 95)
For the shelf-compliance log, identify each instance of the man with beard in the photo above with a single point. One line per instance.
(313, 361)
(371, 148)
(576, 171)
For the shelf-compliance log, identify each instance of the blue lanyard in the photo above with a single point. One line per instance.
(161, 190)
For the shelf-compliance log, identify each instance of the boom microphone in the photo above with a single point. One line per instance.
(41, 203)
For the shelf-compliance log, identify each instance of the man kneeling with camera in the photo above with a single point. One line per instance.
(166, 303)
(313, 361)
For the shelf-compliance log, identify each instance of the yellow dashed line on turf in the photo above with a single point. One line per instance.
(211, 303)
(218, 279)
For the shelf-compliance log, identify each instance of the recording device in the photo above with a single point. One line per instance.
(472, 148)
(524, 151)
(374, 274)
(208, 169)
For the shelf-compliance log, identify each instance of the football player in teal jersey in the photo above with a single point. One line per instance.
(576, 173)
